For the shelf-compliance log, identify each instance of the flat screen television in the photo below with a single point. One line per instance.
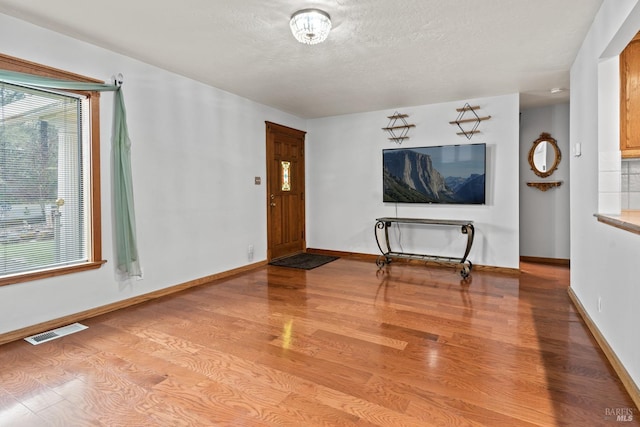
(446, 174)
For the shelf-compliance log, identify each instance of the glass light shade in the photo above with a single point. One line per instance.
(310, 26)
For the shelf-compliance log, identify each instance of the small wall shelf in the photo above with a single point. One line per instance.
(544, 185)
(468, 132)
(403, 127)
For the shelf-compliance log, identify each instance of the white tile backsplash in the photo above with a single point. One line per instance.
(634, 201)
(625, 182)
(634, 182)
(634, 165)
(630, 183)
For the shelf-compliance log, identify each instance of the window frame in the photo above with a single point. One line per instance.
(94, 248)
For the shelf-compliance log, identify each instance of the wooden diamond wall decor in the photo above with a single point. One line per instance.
(468, 121)
(398, 127)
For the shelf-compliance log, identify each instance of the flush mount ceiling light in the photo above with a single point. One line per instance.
(310, 26)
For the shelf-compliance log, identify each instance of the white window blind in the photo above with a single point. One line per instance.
(43, 179)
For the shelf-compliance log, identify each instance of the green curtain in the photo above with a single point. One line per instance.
(125, 223)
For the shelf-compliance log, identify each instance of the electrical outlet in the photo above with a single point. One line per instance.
(599, 304)
(250, 253)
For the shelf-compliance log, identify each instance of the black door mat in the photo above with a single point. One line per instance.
(304, 261)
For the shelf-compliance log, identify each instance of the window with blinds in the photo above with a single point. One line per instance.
(44, 188)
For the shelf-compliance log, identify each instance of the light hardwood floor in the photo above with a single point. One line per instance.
(342, 344)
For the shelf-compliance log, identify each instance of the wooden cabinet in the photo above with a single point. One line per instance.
(630, 99)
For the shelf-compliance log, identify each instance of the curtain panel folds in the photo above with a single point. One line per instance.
(124, 213)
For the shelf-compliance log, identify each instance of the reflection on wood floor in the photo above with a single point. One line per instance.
(342, 344)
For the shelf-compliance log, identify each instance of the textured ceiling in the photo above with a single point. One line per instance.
(381, 54)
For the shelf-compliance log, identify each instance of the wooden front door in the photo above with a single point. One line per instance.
(285, 191)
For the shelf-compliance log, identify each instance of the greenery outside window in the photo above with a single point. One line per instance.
(49, 178)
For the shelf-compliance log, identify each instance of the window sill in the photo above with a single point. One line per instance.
(20, 278)
(627, 220)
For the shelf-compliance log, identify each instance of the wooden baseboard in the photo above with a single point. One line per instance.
(623, 374)
(501, 270)
(541, 260)
(343, 254)
(78, 317)
(372, 258)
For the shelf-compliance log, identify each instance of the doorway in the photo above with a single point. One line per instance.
(285, 191)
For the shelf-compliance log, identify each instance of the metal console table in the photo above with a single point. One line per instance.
(466, 227)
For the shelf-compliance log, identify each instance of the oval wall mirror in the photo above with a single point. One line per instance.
(544, 155)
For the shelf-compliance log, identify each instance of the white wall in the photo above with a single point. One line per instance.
(195, 152)
(344, 184)
(603, 259)
(544, 215)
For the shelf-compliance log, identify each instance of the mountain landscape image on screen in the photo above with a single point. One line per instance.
(444, 174)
